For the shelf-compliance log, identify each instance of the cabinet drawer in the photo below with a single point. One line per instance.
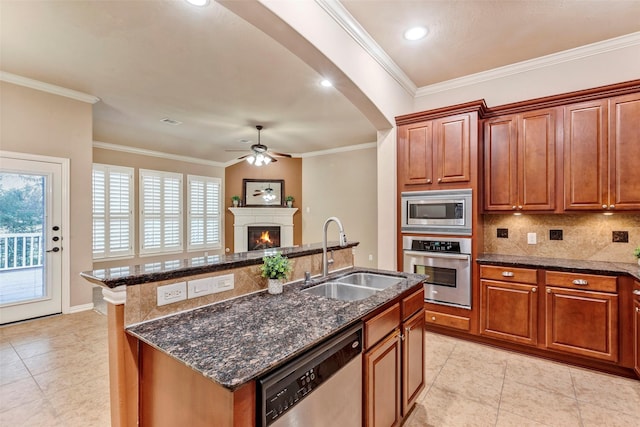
(589, 282)
(412, 303)
(381, 324)
(449, 320)
(509, 274)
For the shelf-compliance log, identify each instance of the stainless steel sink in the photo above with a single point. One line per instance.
(341, 291)
(370, 280)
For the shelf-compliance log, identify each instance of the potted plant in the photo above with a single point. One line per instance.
(276, 268)
(235, 200)
(636, 253)
(289, 200)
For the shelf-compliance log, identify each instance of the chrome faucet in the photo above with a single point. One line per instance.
(343, 243)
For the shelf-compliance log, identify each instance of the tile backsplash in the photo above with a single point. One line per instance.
(584, 236)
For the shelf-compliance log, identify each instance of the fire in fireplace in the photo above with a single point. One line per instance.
(262, 237)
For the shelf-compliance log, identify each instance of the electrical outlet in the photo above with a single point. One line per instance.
(555, 234)
(532, 238)
(209, 285)
(502, 233)
(620, 237)
(370, 257)
(172, 293)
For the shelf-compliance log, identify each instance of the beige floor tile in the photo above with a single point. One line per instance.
(38, 413)
(441, 408)
(596, 416)
(507, 419)
(8, 354)
(60, 359)
(539, 405)
(479, 357)
(86, 404)
(18, 393)
(436, 354)
(13, 371)
(541, 374)
(607, 391)
(471, 383)
(57, 380)
(46, 345)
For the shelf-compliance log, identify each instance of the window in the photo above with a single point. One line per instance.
(160, 212)
(204, 213)
(112, 211)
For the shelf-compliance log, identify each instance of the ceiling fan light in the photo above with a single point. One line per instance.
(267, 160)
(251, 159)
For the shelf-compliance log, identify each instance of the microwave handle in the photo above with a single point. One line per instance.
(462, 257)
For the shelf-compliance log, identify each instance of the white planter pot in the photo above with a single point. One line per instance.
(275, 286)
(290, 204)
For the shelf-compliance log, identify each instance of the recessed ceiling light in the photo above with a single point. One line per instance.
(198, 2)
(171, 122)
(326, 83)
(415, 33)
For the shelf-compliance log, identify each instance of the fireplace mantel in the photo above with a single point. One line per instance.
(245, 217)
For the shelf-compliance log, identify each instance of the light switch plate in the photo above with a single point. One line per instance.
(172, 293)
(532, 238)
(210, 285)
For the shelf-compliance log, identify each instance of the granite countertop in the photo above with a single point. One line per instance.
(569, 265)
(238, 340)
(156, 271)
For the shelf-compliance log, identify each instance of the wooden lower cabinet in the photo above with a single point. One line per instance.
(582, 322)
(509, 311)
(382, 378)
(412, 360)
(636, 335)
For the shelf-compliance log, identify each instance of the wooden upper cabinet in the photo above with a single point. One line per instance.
(585, 156)
(453, 149)
(418, 153)
(520, 161)
(624, 152)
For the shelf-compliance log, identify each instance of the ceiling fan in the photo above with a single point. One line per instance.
(260, 154)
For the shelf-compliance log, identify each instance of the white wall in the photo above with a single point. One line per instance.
(343, 185)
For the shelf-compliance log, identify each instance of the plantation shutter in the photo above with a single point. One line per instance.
(204, 209)
(160, 212)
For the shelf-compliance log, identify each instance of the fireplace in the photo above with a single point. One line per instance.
(263, 237)
(243, 218)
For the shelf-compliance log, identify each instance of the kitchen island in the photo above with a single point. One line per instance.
(203, 360)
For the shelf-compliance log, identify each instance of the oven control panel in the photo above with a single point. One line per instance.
(436, 246)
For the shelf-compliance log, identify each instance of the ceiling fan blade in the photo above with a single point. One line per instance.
(274, 153)
(244, 157)
(231, 151)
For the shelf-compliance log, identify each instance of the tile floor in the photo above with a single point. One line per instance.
(53, 372)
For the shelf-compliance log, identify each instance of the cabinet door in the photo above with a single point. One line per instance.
(453, 148)
(636, 339)
(417, 148)
(585, 156)
(509, 311)
(382, 383)
(412, 360)
(500, 163)
(537, 160)
(624, 152)
(582, 322)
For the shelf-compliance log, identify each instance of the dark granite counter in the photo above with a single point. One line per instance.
(236, 341)
(167, 270)
(559, 264)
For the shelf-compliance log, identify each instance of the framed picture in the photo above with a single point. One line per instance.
(262, 192)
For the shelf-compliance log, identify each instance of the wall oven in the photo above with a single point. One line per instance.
(437, 212)
(447, 264)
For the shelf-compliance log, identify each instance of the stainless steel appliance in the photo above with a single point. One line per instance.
(437, 212)
(447, 264)
(321, 387)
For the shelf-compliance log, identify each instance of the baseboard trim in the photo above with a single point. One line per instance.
(79, 308)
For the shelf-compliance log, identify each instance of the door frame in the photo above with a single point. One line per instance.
(65, 220)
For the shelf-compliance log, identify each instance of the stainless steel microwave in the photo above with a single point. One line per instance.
(437, 212)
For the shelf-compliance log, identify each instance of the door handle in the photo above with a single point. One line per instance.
(54, 249)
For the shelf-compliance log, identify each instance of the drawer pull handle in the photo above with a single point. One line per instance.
(548, 291)
(637, 310)
(636, 291)
(507, 274)
(581, 282)
(534, 290)
(433, 318)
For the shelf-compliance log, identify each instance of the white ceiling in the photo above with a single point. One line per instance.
(221, 76)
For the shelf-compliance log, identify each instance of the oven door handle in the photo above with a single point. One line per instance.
(438, 255)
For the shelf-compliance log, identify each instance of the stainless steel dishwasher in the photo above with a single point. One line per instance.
(321, 387)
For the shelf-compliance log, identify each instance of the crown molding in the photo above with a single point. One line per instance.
(152, 153)
(339, 14)
(597, 48)
(338, 150)
(46, 87)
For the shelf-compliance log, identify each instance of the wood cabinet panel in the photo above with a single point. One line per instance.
(585, 156)
(582, 322)
(412, 360)
(381, 324)
(448, 320)
(500, 172)
(509, 274)
(509, 311)
(624, 152)
(588, 282)
(412, 303)
(382, 383)
(636, 334)
(418, 152)
(453, 149)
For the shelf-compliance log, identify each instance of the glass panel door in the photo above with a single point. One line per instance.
(30, 239)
